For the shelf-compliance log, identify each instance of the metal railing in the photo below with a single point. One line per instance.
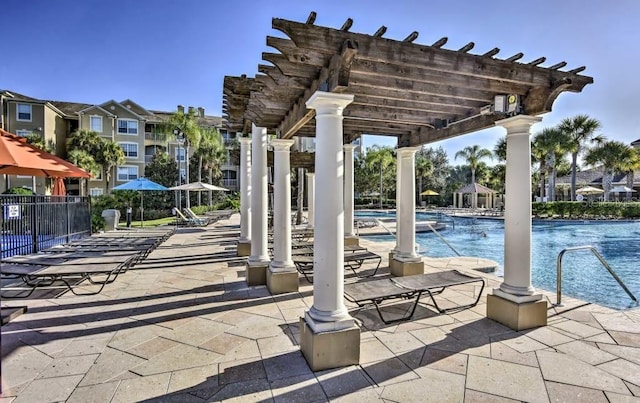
(443, 217)
(32, 223)
(600, 258)
(443, 240)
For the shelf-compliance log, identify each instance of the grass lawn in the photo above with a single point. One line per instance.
(150, 223)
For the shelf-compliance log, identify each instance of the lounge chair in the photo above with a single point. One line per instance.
(42, 271)
(181, 219)
(208, 219)
(352, 260)
(410, 287)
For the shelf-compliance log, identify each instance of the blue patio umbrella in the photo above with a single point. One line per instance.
(141, 184)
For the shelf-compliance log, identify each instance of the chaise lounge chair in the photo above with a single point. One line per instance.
(42, 271)
(352, 260)
(181, 219)
(410, 287)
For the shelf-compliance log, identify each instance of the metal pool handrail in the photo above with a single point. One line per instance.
(600, 258)
(443, 240)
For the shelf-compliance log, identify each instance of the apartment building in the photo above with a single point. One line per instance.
(135, 128)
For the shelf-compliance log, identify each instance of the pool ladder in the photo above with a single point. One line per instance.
(600, 258)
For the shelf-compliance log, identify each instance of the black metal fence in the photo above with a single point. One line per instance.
(33, 223)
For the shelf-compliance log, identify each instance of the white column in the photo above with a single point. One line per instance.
(455, 199)
(328, 312)
(245, 189)
(517, 216)
(311, 189)
(396, 249)
(407, 206)
(348, 190)
(282, 206)
(259, 254)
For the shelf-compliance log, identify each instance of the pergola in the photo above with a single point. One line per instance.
(336, 85)
(417, 93)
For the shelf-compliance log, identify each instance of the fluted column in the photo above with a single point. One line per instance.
(259, 255)
(328, 312)
(348, 191)
(517, 215)
(311, 190)
(282, 207)
(245, 189)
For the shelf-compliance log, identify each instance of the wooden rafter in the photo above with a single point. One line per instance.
(415, 92)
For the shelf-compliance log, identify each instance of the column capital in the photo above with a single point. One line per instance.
(405, 152)
(311, 174)
(349, 147)
(329, 102)
(518, 123)
(245, 140)
(281, 144)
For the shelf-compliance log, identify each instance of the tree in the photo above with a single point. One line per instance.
(186, 126)
(500, 149)
(37, 140)
(210, 154)
(161, 169)
(473, 155)
(82, 150)
(423, 168)
(630, 164)
(579, 132)
(611, 155)
(380, 158)
(547, 149)
(110, 155)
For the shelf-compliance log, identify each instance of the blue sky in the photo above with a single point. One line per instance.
(162, 53)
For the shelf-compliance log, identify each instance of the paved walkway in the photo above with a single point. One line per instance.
(184, 327)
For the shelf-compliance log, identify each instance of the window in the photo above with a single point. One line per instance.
(96, 192)
(127, 173)
(130, 149)
(98, 176)
(95, 123)
(128, 126)
(183, 175)
(24, 112)
(23, 133)
(180, 152)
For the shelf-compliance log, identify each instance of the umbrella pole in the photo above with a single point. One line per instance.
(141, 210)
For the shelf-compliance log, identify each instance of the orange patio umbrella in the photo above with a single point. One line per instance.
(17, 157)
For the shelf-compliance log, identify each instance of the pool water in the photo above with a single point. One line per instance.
(583, 276)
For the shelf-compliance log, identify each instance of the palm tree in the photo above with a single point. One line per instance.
(186, 126)
(500, 149)
(211, 153)
(473, 155)
(579, 132)
(611, 155)
(548, 148)
(630, 165)
(381, 158)
(424, 167)
(109, 156)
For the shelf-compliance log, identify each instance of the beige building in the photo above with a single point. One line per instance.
(130, 125)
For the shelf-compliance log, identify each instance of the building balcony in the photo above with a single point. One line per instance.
(231, 184)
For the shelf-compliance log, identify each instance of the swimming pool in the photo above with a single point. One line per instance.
(583, 276)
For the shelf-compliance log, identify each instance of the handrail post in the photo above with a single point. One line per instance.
(602, 261)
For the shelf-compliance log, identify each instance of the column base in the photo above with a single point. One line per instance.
(244, 248)
(517, 316)
(256, 273)
(280, 282)
(400, 268)
(331, 349)
(351, 240)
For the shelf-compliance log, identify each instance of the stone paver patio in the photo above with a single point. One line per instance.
(183, 326)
